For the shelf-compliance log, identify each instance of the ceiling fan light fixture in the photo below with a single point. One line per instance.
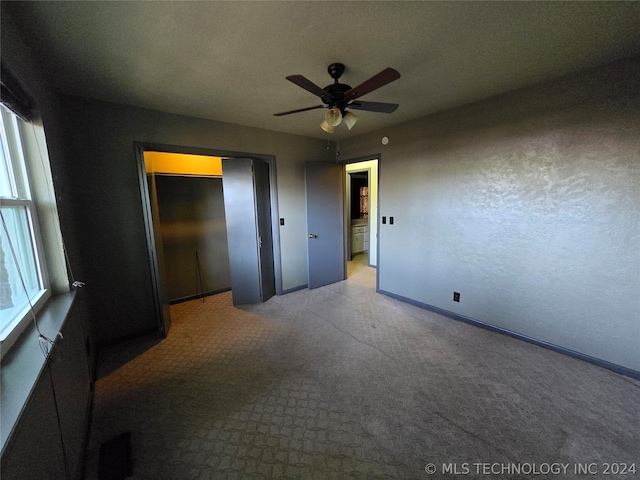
(333, 117)
(326, 127)
(350, 119)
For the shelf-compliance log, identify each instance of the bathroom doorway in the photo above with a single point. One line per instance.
(362, 211)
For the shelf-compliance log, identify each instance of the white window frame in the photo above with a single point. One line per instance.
(13, 145)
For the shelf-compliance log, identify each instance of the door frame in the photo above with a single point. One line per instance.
(366, 158)
(156, 280)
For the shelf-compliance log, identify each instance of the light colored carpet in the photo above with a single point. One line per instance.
(340, 382)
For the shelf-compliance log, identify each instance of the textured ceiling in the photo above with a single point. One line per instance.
(228, 60)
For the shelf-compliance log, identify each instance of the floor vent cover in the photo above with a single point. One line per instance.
(115, 458)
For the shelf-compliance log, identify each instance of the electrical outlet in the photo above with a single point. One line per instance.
(282, 221)
(384, 220)
(456, 296)
(390, 220)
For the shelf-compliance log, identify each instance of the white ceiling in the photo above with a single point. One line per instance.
(228, 60)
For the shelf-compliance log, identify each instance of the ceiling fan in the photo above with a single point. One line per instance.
(338, 97)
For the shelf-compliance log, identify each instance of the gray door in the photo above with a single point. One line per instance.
(324, 183)
(248, 216)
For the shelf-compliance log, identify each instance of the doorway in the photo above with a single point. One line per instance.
(362, 211)
(329, 227)
(149, 191)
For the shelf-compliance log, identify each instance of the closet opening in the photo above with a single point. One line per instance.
(189, 228)
(192, 225)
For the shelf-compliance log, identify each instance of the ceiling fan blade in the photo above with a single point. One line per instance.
(387, 75)
(298, 110)
(374, 106)
(308, 85)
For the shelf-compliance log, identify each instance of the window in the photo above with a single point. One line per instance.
(24, 284)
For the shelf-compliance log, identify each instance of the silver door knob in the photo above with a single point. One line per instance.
(311, 235)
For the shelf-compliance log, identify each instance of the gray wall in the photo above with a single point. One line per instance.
(528, 205)
(192, 220)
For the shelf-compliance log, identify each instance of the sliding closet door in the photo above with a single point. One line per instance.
(248, 216)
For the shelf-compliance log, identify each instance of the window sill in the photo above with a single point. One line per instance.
(13, 330)
(22, 365)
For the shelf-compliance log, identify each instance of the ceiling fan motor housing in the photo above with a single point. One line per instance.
(336, 90)
(336, 93)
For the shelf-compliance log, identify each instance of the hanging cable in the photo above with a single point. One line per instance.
(45, 342)
(55, 403)
(65, 260)
(49, 185)
(20, 276)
